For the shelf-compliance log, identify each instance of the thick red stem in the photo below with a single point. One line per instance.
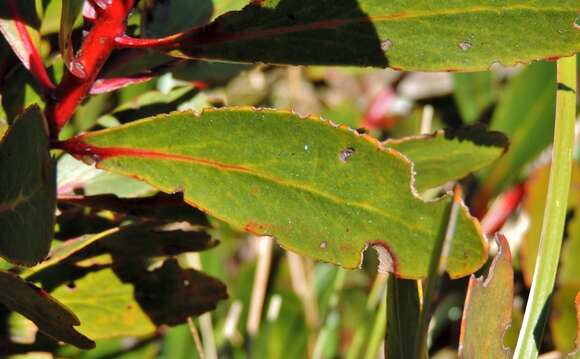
(34, 62)
(94, 52)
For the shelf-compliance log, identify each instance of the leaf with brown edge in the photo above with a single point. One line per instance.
(562, 320)
(450, 154)
(488, 308)
(322, 190)
(27, 190)
(576, 353)
(404, 34)
(49, 315)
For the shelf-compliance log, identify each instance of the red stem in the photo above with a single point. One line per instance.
(94, 52)
(34, 62)
(140, 43)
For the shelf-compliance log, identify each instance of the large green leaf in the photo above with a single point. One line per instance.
(488, 309)
(48, 314)
(322, 190)
(405, 34)
(451, 154)
(27, 190)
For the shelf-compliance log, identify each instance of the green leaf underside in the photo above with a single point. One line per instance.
(488, 309)
(451, 154)
(10, 30)
(28, 190)
(405, 34)
(321, 190)
(48, 314)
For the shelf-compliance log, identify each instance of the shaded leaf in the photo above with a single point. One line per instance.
(51, 317)
(28, 191)
(403, 34)
(488, 309)
(534, 205)
(563, 323)
(321, 190)
(71, 9)
(170, 294)
(450, 154)
(139, 240)
(403, 313)
(525, 112)
(474, 93)
(105, 306)
(161, 206)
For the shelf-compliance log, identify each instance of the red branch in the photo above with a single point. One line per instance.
(94, 52)
(34, 62)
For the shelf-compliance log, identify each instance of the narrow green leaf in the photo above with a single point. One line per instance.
(105, 306)
(51, 317)
(450, 154)
(322, 190)
(488, 309)
(28, 191)
(404, 34)
(525, 112)
(71, 9)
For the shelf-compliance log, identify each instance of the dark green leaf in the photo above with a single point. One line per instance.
(28, 190)
(170, 294)
(51, 317)
(405, 34)
(403, 311)
(71, 9)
